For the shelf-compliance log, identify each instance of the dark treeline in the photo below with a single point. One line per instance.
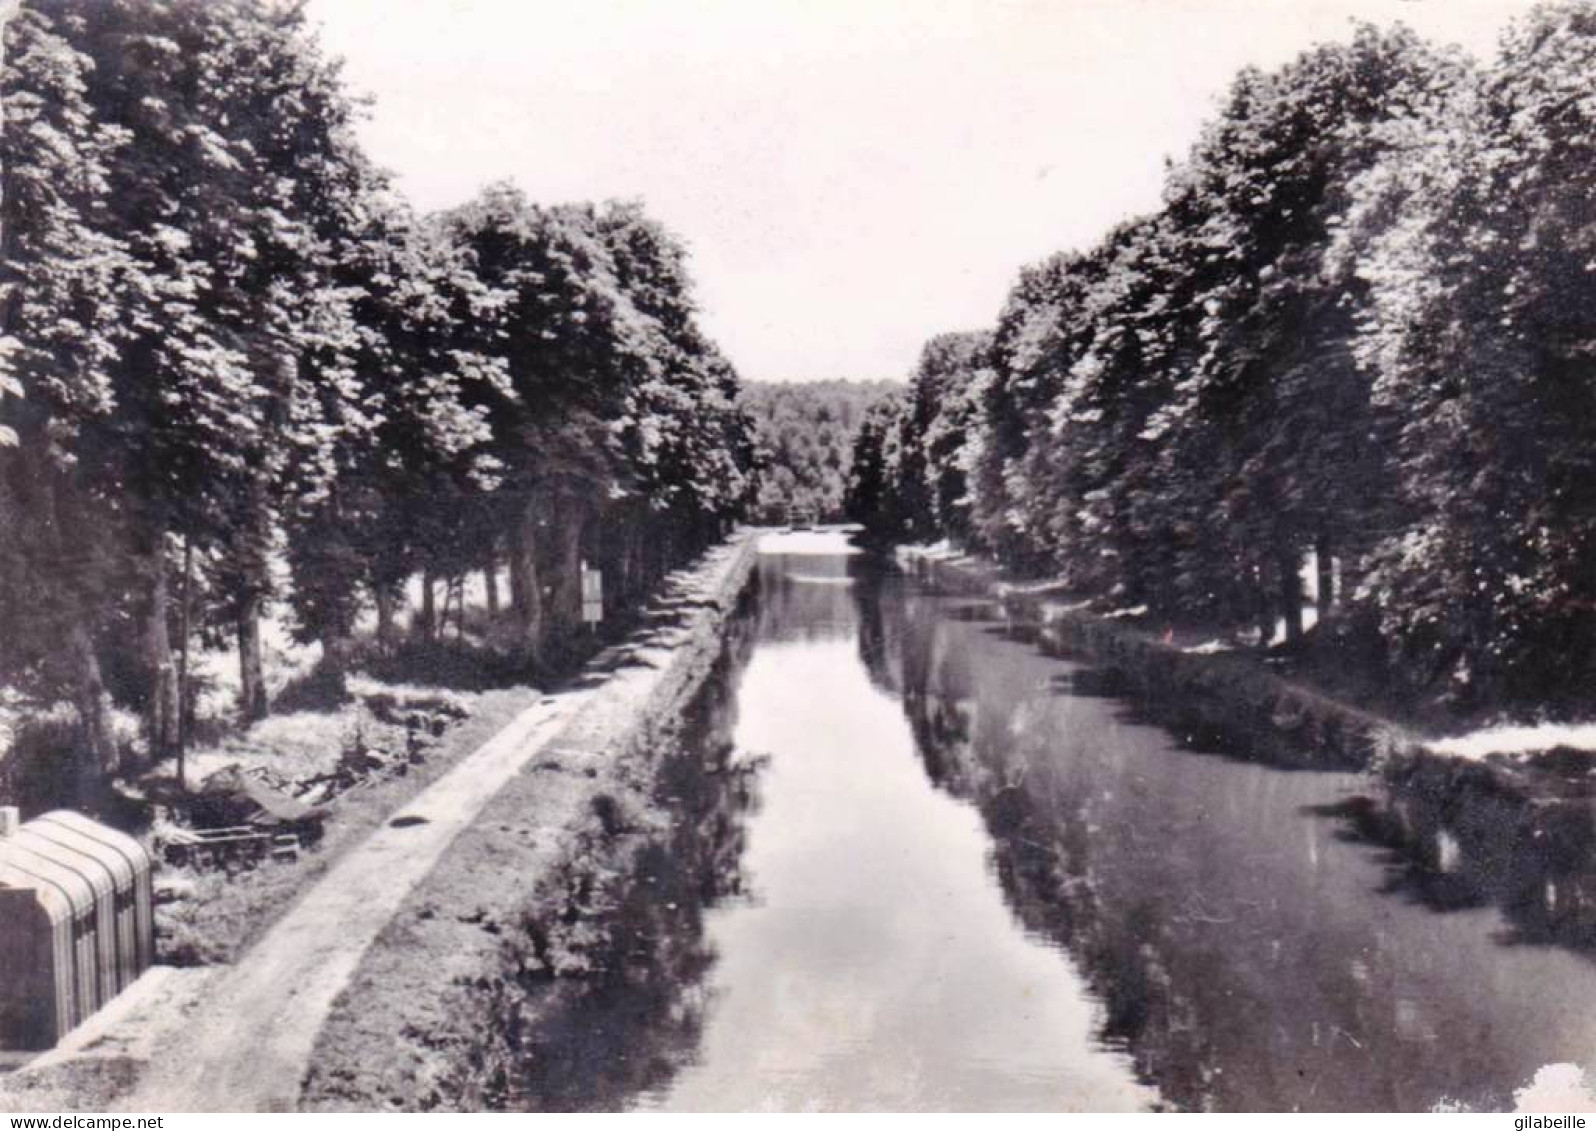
(806, 433)
(1360, 336)
(237, 369)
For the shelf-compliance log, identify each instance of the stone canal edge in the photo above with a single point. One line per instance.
(367, 967)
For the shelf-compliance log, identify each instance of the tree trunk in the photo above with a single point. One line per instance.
(1264, 606)
(490, 582)
(1347, 568)
(333, 674)
(1291, 595)
(519, 567)
(457, 590)
(526, 584)
(429, 607)
(98, 760)
(638, 583)
(1324, 567)
(252, 703)
(565, 568)
(384, 597)
(185, 617)
(161, 710)
(625, 565)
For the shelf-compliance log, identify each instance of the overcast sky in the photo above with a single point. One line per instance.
(851, 176)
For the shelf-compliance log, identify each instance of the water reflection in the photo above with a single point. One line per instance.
(806, 597)
(917, 863)
(1249, 953)
(875, 965)
(1447, 850)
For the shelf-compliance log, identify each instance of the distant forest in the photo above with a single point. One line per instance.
(806, 431)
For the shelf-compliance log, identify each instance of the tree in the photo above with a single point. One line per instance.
(412, 465)
(948, 386)
(1276, 407)
(64, 307)
(613, 400)
(872, 497)
(1475, 236)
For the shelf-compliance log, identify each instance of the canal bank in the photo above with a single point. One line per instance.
(1517, 831)
(527, 889)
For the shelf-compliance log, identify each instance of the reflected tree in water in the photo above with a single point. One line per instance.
(1190, 984)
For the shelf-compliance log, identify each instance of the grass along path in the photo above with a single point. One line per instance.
(247, 1049)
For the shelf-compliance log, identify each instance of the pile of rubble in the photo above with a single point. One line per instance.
(247, 812)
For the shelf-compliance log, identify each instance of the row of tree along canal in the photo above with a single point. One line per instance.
(238, 370)
(1358, 332)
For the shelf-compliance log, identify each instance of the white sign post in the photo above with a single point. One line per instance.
(592, 596)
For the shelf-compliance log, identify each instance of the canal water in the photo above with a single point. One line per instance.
(948, 871)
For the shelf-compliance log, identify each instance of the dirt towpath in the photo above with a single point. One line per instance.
(247, 1047)
(246, 1042)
